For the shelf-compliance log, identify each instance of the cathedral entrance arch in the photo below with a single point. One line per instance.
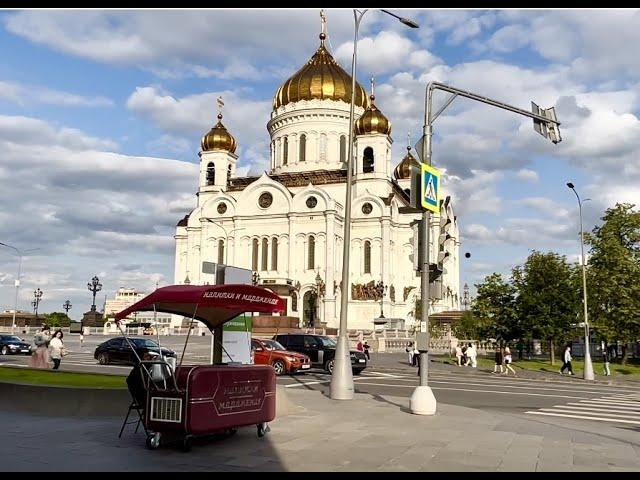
(309, 309)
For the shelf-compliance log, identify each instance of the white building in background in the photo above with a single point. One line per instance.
(128, 296)
(287, 224)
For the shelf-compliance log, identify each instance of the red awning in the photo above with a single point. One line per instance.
(211, 304)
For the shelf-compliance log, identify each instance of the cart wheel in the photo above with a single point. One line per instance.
(186, 443)
(263, 428)
(153, 441)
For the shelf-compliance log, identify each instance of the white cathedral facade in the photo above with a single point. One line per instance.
(287, 224)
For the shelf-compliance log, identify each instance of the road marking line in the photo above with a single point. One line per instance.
(583, 412)
(583, 417)
(629, 403)
(600, 404)
(582, 406)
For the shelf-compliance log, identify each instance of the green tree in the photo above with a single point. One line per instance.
(547, 300)
(614, 275)
(467, 328)
(57, 319)
(494, 309)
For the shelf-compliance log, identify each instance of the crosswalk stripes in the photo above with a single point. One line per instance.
(621, 408)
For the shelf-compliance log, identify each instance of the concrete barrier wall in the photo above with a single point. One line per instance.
(86, 402)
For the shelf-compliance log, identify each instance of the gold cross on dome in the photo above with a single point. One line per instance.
(220, 105)
(373, 84)
(323, 22)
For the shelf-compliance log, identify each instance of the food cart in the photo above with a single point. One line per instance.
(196, 400)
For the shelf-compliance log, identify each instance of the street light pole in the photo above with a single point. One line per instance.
(67, 306)
(94, 287)
(342, 376)
(17, 280)
(588, 366)
(37, 295)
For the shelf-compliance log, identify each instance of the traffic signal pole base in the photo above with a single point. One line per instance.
(422, 401)
(342, 375)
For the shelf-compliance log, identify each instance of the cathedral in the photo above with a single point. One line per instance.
(287, 224)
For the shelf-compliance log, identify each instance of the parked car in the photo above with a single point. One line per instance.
(11, 344)
(321, 349)
(270, 352)
(117, 350)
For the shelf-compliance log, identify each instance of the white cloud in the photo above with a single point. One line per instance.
(87, 210)
(386, 51)
(546, 206)
(24, 94)
(35, 132)
(194, 115)
(527, 175)
(475, 194)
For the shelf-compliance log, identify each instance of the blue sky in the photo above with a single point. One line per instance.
(101, 114)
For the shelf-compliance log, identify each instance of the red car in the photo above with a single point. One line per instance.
(270, 352)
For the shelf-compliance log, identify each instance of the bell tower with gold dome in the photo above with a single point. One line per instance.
(373, 143)
(217, 156)
(309, 124)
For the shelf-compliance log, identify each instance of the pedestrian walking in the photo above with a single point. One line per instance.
(366, 350)
(508, 360)
(499, 360)
(409, 350)
(566, 358)
(459, 355)
(416, 356)
(56, 349)
(81, 339)
(360, 346)
(606, 358)
(472, 355)
(40, 349)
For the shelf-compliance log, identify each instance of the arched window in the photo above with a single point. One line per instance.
(311, 258)
(221, 251)
(211, 174)
(285, 151)
(343, 148)
(265, 253)
(254, 255)
(367, 257)
(274, 254)
(303, 147)
(294, 302)
(367, 160)
(228, 173)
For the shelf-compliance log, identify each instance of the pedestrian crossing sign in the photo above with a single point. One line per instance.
(430, 188)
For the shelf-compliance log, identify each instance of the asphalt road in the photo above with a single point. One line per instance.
(388, 374)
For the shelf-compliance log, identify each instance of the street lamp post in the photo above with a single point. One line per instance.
(342, 377)
(94, 287)
(17, 280)
(67, 306)
(37, 296)
(381, 288)
(319, 293)
(588, 366)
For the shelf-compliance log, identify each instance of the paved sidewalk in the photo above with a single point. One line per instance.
(370, 433)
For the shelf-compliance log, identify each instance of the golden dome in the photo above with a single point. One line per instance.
(403, 169)
(372, 121)
(320, 78)
(218, 138)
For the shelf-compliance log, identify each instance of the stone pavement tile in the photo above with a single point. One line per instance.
(445, 466)
(517, 465)
(622, 469)
(413, 459)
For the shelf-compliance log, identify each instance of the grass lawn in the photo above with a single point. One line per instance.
(58, 378)
(545, 366)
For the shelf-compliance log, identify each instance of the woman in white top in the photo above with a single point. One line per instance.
(57, 350)
(508, 360)
(567, 361)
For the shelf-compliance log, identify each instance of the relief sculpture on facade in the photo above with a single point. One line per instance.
(362, 291)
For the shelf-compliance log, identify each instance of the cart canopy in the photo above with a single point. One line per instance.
(213, 305)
